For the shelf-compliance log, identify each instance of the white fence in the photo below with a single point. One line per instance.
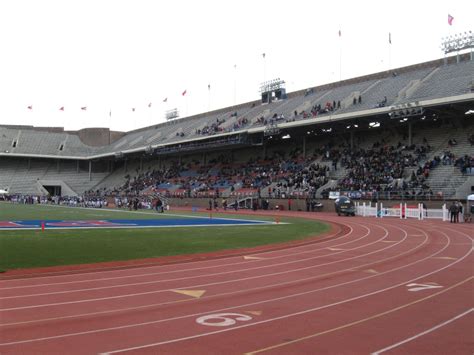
(401, 211)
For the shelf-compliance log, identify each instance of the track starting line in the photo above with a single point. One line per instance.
(127, 223)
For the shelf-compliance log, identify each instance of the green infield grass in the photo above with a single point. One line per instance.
(34, 248)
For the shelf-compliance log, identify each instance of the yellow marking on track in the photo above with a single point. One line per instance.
(371, 271)
(252, 258)
(255, 313)
(348, 325)
(192, 293)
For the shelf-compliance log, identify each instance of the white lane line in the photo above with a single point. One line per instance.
(264, 321)
(174, 271)
(210, 284)
(194, 276)
(105, 209)
(161, 272)
(423, 333)
(254, 303)
(135, 226)
(233, 292)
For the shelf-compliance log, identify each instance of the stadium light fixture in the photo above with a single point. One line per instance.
(469, 112)
(374, 124)
(272, 85)
(457, 42)
(287, 136)
(406, 110)
(171, 114)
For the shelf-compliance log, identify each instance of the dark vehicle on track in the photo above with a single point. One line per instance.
(344, 205)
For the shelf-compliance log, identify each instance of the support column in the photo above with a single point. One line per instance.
(352, 139)
(304, 147)
(125, 165)
(29, 163)
(409, 133)
(141, 164)
(90, 170)
(57, 165)
(77, 166)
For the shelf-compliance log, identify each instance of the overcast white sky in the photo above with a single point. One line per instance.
(115, 55)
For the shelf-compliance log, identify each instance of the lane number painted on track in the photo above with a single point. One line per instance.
(414, 287)
(222, 319)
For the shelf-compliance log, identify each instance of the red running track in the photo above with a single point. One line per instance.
(376, 286)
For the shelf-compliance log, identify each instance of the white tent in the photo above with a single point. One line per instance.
(470, 197)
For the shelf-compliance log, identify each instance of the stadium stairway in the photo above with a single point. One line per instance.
(446, 179)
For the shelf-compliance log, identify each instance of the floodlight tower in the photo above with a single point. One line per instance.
(273, 90)
(457, 43)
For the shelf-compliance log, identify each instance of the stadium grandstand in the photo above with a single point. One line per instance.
(407, 133)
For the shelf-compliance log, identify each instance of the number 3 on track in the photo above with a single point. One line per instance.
(222, 319)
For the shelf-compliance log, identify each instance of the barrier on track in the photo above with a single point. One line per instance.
(402, 211)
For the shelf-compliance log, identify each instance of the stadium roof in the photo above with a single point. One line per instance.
(426, 85)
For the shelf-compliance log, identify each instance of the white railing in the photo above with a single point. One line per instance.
(402, 211)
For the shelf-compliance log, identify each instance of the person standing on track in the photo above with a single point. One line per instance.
(458, 211)
(453, 211)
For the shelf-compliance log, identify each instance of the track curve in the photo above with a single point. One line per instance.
(380, 286)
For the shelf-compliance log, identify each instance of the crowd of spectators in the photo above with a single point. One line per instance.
(382, 167)
(71, 201)
(213, 128)
(466, 164)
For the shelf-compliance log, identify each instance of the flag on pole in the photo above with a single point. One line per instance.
(61, 108)
(84, 108)
(165, 99)
(30, 107)
(450, 19)
(184, 93)
(389, 38)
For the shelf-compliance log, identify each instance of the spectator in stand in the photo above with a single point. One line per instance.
(471, 139)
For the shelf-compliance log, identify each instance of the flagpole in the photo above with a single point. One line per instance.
(235, 83)
(340, 55)
(208, 97)
(110, 123)
(389, 51)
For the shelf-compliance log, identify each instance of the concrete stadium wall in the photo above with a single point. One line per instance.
(97, 137)
(296, 204)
